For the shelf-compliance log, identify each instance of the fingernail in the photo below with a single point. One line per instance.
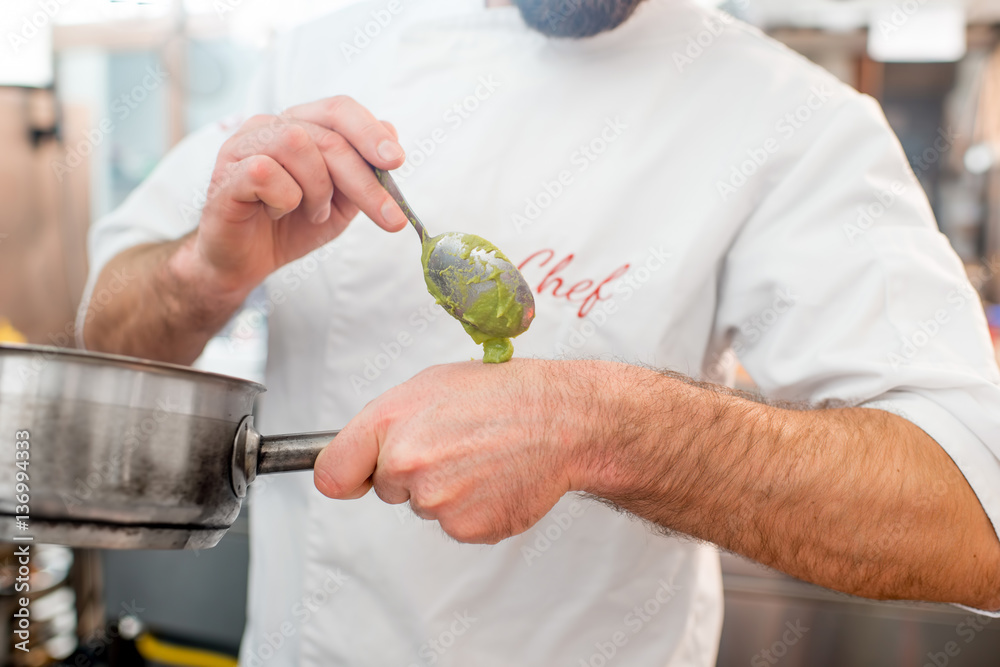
(390, 151)
(392, 214)
(323, 215)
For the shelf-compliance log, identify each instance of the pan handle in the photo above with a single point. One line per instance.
(286, 453)
(254, 454)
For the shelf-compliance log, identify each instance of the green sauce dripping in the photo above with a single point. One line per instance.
(495, 315)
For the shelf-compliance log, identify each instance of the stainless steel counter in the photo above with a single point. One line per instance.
(775, 620)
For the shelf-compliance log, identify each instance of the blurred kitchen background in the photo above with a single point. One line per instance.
(93, 93)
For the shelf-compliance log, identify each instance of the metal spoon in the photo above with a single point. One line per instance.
(445, 262)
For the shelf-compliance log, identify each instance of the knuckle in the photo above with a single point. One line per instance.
(373, 192)
(229, 147)
(259, 169)
(335, 145)
(403, 465)
(321, 189)
(262, 133)
(435, 493)
(431, 497)
(319, 183)
(420, 509)
(381, 413)
(249, 143)
(385, 492)
(337, 104)
(374, 131)
(295, 137)
(467, 532)
(222, 175)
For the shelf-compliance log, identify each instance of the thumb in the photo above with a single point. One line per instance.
(343, 470)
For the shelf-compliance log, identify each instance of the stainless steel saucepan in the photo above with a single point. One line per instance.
(129, 454)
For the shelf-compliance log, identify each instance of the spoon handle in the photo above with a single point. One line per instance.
(386, 181)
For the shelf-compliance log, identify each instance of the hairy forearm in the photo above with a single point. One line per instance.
(157, 302)
(857, 500)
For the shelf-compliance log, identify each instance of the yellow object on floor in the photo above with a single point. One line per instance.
(154, 650)
(8, 334)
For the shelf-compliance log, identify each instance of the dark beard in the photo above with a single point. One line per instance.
(575, 18)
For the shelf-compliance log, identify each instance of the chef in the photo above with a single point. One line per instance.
(674, 186)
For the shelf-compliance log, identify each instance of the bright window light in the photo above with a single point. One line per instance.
(26, 50)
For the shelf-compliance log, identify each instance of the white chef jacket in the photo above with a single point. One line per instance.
(671, 189)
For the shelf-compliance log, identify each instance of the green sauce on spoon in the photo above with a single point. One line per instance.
(474, 282)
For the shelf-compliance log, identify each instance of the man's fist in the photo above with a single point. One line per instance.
(486, 450)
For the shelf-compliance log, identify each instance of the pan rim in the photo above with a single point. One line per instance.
(127, 363)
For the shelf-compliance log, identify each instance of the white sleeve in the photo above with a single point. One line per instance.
(840, 287)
